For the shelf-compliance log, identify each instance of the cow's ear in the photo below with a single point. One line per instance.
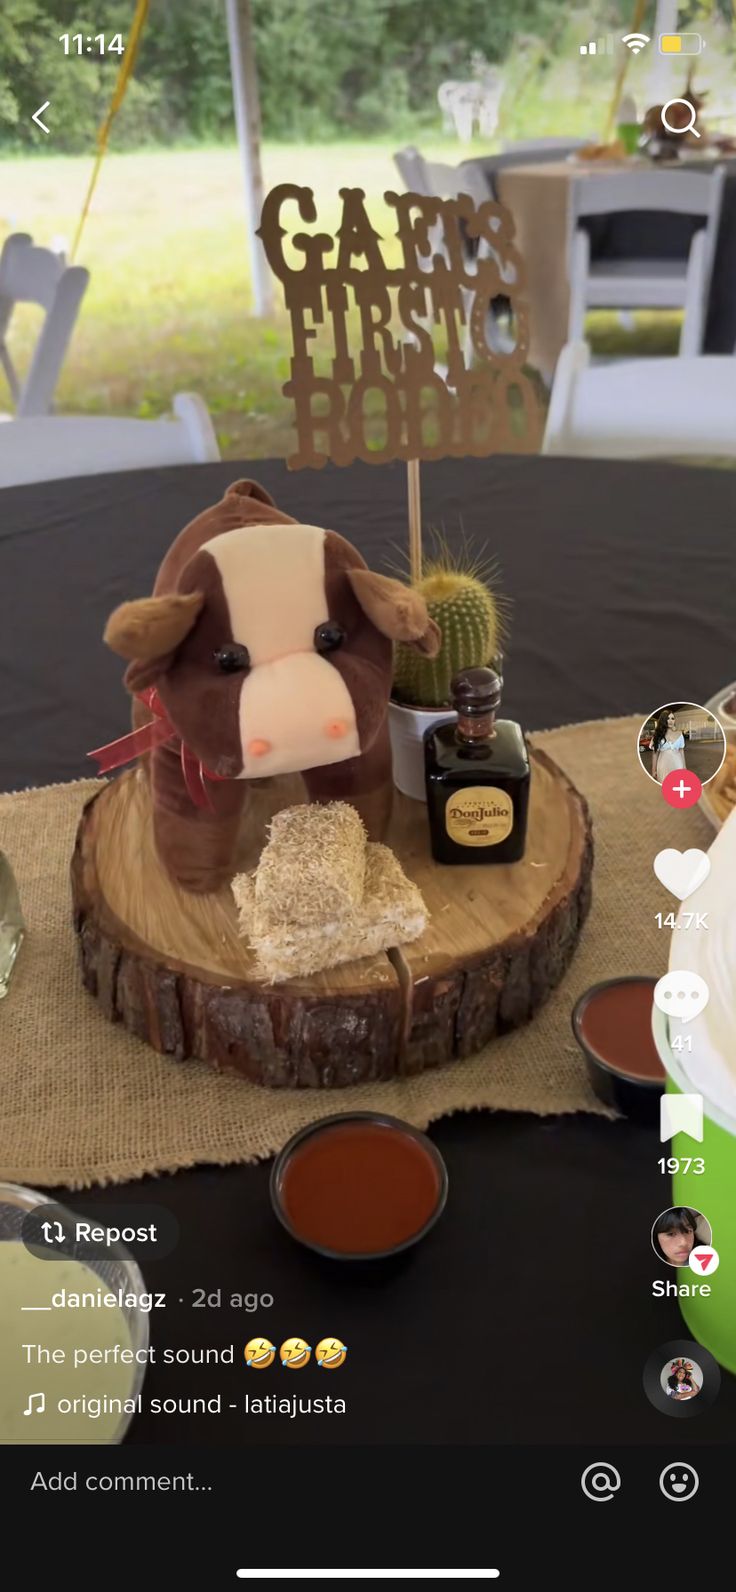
(252, 490)
(397, 611)
(148, 632)
(152, 625)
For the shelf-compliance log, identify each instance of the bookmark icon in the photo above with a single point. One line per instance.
(681, 1114)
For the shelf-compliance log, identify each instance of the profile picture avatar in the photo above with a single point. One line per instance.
(677, 1231)
(681, 735)
(682, 1380)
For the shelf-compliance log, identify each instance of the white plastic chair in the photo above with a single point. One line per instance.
(476, 100)
(411, 168)
(446, 182)
(32, 275)
(642, 408)
(433, 178)
(638, 283)
(51, 447)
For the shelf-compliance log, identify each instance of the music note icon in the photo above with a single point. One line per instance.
(36, 1404)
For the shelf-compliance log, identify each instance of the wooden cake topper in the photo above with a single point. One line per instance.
(453, 259)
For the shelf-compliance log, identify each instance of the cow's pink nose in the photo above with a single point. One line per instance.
(259, 748)
(336, 729)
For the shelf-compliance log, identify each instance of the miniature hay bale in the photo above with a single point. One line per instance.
(244, 890)
(392, 913)
(313, 864)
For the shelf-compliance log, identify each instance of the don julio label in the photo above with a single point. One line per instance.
(477, 776)
(479, 815)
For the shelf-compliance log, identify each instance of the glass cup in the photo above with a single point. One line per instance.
(12, 927)
(115, 1269)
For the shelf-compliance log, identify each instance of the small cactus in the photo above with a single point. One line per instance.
(471, 619)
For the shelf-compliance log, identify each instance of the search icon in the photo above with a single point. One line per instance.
(688, 126)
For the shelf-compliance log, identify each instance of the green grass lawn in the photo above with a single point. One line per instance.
(168, 307)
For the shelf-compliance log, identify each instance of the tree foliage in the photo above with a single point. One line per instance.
(325, 67)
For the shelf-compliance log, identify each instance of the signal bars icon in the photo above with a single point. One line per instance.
(599, 47)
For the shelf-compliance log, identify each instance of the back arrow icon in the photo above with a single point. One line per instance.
(36, 117)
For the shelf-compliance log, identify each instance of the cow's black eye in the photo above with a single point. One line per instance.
(232, 658)
(328, 636)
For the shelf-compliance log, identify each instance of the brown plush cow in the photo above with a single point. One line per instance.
(269, 647)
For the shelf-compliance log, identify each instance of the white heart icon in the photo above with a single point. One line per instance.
(681, 872)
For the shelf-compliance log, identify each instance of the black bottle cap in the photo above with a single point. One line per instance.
(476, 691)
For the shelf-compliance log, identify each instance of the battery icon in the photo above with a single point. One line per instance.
(680, 44)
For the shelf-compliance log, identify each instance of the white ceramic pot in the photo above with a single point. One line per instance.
(407, 728)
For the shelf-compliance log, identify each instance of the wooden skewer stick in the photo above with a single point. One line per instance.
(415, 520)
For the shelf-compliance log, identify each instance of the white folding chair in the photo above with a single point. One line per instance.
(642, 408)
(641, 283)
(50, 447)
(435, 179)
(478, 99)
(32, 275)
(447, 182)
(411, 168)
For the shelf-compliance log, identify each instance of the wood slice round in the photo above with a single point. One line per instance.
(174, 970)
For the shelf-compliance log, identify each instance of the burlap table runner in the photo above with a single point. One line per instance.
(84, 1102)
(539, 200)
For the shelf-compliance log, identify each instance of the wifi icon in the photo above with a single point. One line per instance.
(635, 41)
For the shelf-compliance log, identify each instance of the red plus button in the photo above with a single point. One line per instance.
(681, 788)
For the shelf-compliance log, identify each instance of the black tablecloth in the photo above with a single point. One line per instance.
(528, 1314)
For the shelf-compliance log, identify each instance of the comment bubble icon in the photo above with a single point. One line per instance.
(681, 994)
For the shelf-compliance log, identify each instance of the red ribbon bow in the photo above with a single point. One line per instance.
(146, 738)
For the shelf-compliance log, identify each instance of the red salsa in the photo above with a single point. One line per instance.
(615, 1024)
(359, 1188)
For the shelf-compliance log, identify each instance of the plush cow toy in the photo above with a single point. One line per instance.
(265, 649)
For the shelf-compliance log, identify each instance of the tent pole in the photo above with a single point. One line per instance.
(660, 75)
(248, 125)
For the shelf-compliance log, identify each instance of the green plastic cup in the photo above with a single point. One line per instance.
(629, 134)
(712, 1321)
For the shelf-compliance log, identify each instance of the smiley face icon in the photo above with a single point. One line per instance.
(330, 1353)
(259, 1354)
(295, 1353)
(679, 1482)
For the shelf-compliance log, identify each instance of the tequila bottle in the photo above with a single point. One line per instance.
(477, 775)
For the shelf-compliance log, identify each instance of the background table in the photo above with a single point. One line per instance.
(537, 194)
(527, 1317)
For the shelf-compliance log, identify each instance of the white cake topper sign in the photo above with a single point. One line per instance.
(453, 259)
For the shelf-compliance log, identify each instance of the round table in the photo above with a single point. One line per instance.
(529, 1314)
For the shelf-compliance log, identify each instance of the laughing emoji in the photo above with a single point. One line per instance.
(330, 1353)
(259, 1354)
(295, 1353)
